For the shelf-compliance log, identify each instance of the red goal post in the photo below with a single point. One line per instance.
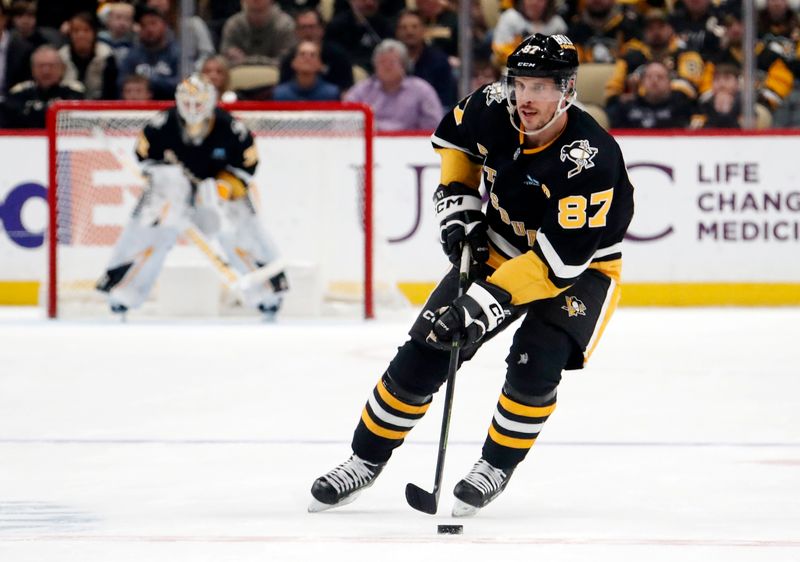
(89, 139)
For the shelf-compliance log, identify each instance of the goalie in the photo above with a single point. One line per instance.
(198, 161)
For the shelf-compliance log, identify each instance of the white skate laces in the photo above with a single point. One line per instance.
(483, 484)
(486, 478)
(343, 484)
(352, 474)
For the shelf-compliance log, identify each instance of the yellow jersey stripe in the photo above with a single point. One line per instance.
(523, 410)
(510, 442)
(456, 166)
(378, 430)
(527, 278)
(387, 397)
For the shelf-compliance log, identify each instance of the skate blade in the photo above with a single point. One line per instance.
(316, 506)
(461, 509)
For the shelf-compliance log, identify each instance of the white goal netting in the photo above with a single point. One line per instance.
(310, 188)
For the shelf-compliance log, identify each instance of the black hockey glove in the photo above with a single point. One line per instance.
(471, 316)
(458, 209)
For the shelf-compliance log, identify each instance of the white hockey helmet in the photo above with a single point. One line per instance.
(195, 99)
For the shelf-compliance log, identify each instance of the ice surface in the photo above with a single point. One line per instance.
(189, 441)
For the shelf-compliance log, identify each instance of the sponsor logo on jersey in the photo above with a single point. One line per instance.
(574, 307)
(218, 154)
(579, 153)
(530, 181)
(494, 93)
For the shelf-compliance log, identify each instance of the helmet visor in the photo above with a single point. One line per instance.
(528, 88)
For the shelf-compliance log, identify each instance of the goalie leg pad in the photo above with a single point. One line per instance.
(136, 262)
(248, 247)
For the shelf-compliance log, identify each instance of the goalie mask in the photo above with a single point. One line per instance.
(542, 56)
(196, 99)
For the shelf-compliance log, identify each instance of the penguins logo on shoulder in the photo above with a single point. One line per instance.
(579, 153)
(494, 93)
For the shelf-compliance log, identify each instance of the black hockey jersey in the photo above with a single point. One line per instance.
(554, 210)
(228, 147)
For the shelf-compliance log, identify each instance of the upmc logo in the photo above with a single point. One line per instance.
(11, 211)
(658, 232)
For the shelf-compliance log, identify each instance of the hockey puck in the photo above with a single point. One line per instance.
(450, 529)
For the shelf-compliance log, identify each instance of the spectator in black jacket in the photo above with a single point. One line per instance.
(26, 106)
(15, 54)
(428, 61)
(721, 107)
(23, 20)
(359, 30)
(655, 106)
(336, 66)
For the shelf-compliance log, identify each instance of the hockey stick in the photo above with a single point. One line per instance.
(419, 499)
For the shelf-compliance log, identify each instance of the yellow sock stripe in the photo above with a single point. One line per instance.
(378, 430)
(511, 442)
(398, 405)
(523, 410)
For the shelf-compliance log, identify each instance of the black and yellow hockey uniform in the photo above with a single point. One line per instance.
(547, 251)
(553, 212)
(556, 218)
(228, 153)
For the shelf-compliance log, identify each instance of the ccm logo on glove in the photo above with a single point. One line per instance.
(471, 316)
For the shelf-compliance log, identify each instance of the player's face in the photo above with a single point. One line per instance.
(537, 100)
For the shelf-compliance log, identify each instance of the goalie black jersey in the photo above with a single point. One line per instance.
(554, 210)
(228, 146)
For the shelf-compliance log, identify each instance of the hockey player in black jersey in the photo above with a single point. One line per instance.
(198, 160)
(546, 251)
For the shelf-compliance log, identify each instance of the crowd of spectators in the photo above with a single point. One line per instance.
(671, 63)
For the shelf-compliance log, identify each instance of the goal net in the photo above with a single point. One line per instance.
(312, 189)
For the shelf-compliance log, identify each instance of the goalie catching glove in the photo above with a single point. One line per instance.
(471, 316)
(458, 209)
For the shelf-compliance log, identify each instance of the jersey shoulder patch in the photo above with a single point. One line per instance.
(493, 93)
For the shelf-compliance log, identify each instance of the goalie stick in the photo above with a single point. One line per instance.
(419, 499)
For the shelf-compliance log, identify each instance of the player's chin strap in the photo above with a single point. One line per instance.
(566, 98)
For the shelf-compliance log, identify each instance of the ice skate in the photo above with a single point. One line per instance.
(343, 484)
(483, 484)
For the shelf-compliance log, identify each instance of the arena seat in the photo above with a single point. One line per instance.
(592, 79)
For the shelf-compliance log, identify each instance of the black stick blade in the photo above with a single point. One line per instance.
(421, 500)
